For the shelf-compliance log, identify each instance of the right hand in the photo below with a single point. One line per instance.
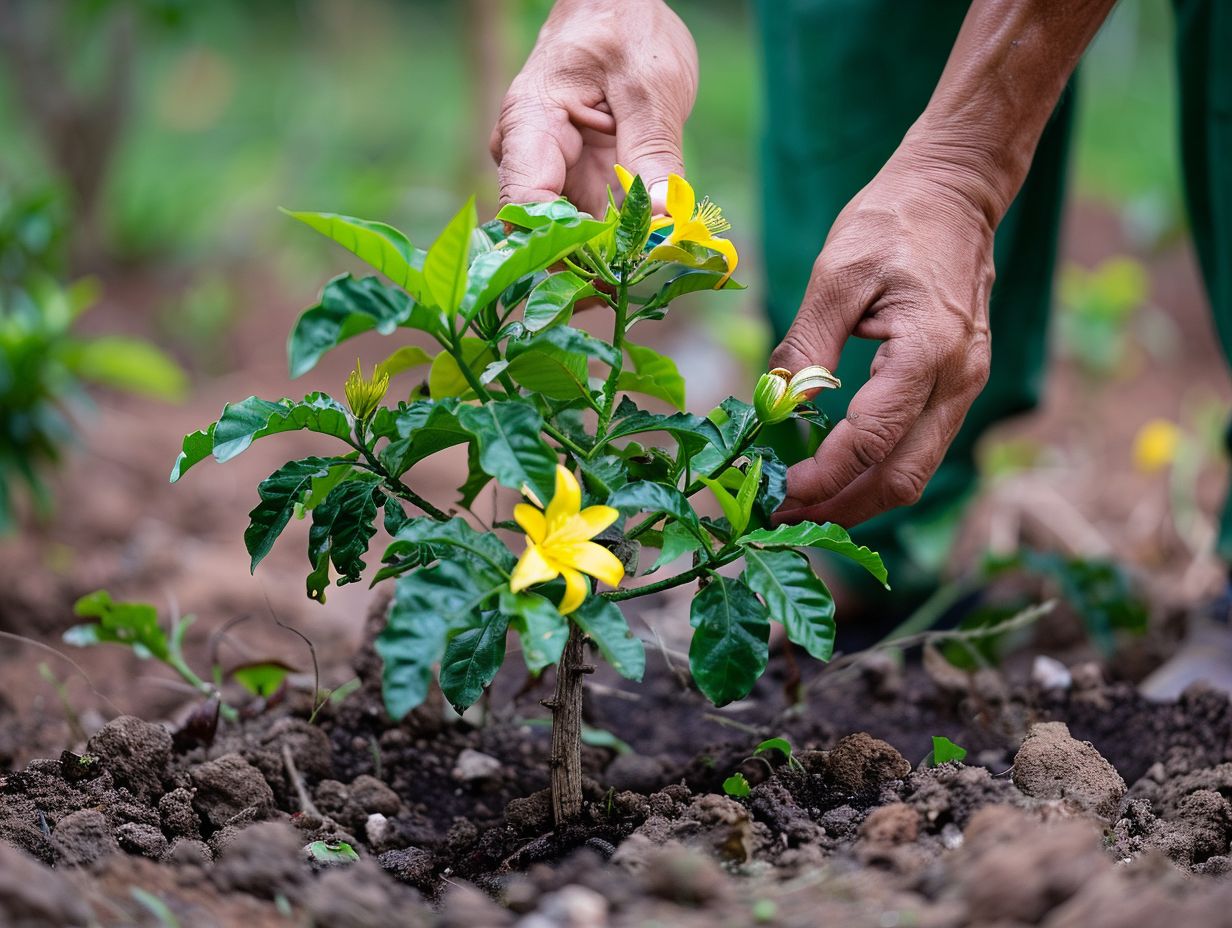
(608, 81)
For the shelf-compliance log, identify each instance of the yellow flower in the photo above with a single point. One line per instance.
(779, 392)
(1155, 445)
(699, 223)
(558, 543)
(363, 396)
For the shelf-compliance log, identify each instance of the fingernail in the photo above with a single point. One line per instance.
(658, 196)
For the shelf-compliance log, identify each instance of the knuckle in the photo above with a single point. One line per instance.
(873, 438)
(904, 486)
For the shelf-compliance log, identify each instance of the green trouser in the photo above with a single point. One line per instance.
(845, 79)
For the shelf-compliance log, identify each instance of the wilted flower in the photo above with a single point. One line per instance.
(558, 543)
(363, 396)
(779, 392)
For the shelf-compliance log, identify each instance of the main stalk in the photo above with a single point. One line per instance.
(566, 706)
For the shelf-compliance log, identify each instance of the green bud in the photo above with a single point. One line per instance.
(779, 392)
(364, 396)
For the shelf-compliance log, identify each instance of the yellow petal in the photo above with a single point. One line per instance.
(592, 559)
(680, 199)
(532, 521)
(1155, 445)
(658, 222)
(728, 251)
(813, 377)
(584, 526)
(576, 589)
(532, 568)
(566, 502)
(623, 175)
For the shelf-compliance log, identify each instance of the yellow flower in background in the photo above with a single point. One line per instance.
(779, 392)
(363, 396)
(699, 223)
(1156, 445)
(558, 543)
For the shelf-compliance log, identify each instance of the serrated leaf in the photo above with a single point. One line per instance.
(795, 596)
(280, 492)
(605, 624)
(829, 536)
(377, 244)
(634, 226)
(444, 268)
(654, 375)
(242, 423)
(731, 637)
(525, 253)
(343, 524)
(540, 626)
(511, 447)
(132, 624)
(472, 659)
(428, 604)
(552, 301)
(349, 307)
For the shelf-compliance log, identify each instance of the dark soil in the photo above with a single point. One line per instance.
(453, 825)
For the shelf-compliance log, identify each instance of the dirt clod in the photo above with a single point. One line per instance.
(135, 752)
(263, 860)
(83, 837)
(411, 865)
(226, 787)
(1053, 765)
(32, 895)
(145, 840)
(860, 762)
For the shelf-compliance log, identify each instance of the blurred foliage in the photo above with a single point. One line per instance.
(43, 362)
(1097, 307)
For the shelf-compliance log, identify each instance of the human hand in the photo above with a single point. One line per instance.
(607, 82)
(907, 262)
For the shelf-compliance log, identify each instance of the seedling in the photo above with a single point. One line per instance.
(736, 785)
(331, 853)
(944, 751)
(783, 746)
(550, 412)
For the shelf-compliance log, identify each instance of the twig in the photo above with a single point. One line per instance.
(72, 663)
(305, 801)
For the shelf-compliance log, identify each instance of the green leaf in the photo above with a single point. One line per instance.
(429, 603)
(445, 377)
(567, 338)
(829, 536)
(317, 581)
(197, 447)
(534, 215)
(511, 448)
(782, 745)
(607, 628)
(737, 786)
(945, 750)
(344, 524)
(127, 364)
(321, 488)
(634, 226)
(427, 427)
(132, 624)
(525, 253)
(746, 496)
(279, 493)
(485, 547)
(677, 541)
(644, 496)
(691, 281)
(261, 678)
(377, 244)
(242, 423)
(553, 300)
(444, 268)
(332, 852)
(539, 624)
(691, 430)
(652, 375)
(472, 659)
(731, 637)
(349, 307)
(561, 375)
(773, 489)
(795, 596)
(404, 359)
(728, 503)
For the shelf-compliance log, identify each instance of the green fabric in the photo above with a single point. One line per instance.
(1204, 66)
(845, 79)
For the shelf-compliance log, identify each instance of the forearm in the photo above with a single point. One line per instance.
(1003, 78)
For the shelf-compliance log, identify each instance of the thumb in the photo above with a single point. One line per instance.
(530, 165)
(649, 143)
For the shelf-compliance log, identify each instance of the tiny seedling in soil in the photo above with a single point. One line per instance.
(736, 785)
(553, 413)
(331, 853)
(944, 751)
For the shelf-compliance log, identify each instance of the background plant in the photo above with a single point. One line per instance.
(529, 396)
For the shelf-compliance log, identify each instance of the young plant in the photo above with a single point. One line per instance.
(549, 411)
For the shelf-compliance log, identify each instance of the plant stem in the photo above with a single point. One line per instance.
(718, 560)
(396, 486)
(618, 342)
(566, 706)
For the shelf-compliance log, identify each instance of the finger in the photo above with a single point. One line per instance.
(879, 416)
(532, 153)
(897, 481)
(649, 142)
(835, 297)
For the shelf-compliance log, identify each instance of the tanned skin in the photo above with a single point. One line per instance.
(908, 261)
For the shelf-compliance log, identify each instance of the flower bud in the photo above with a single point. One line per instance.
(778, 393)
(363, 396)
